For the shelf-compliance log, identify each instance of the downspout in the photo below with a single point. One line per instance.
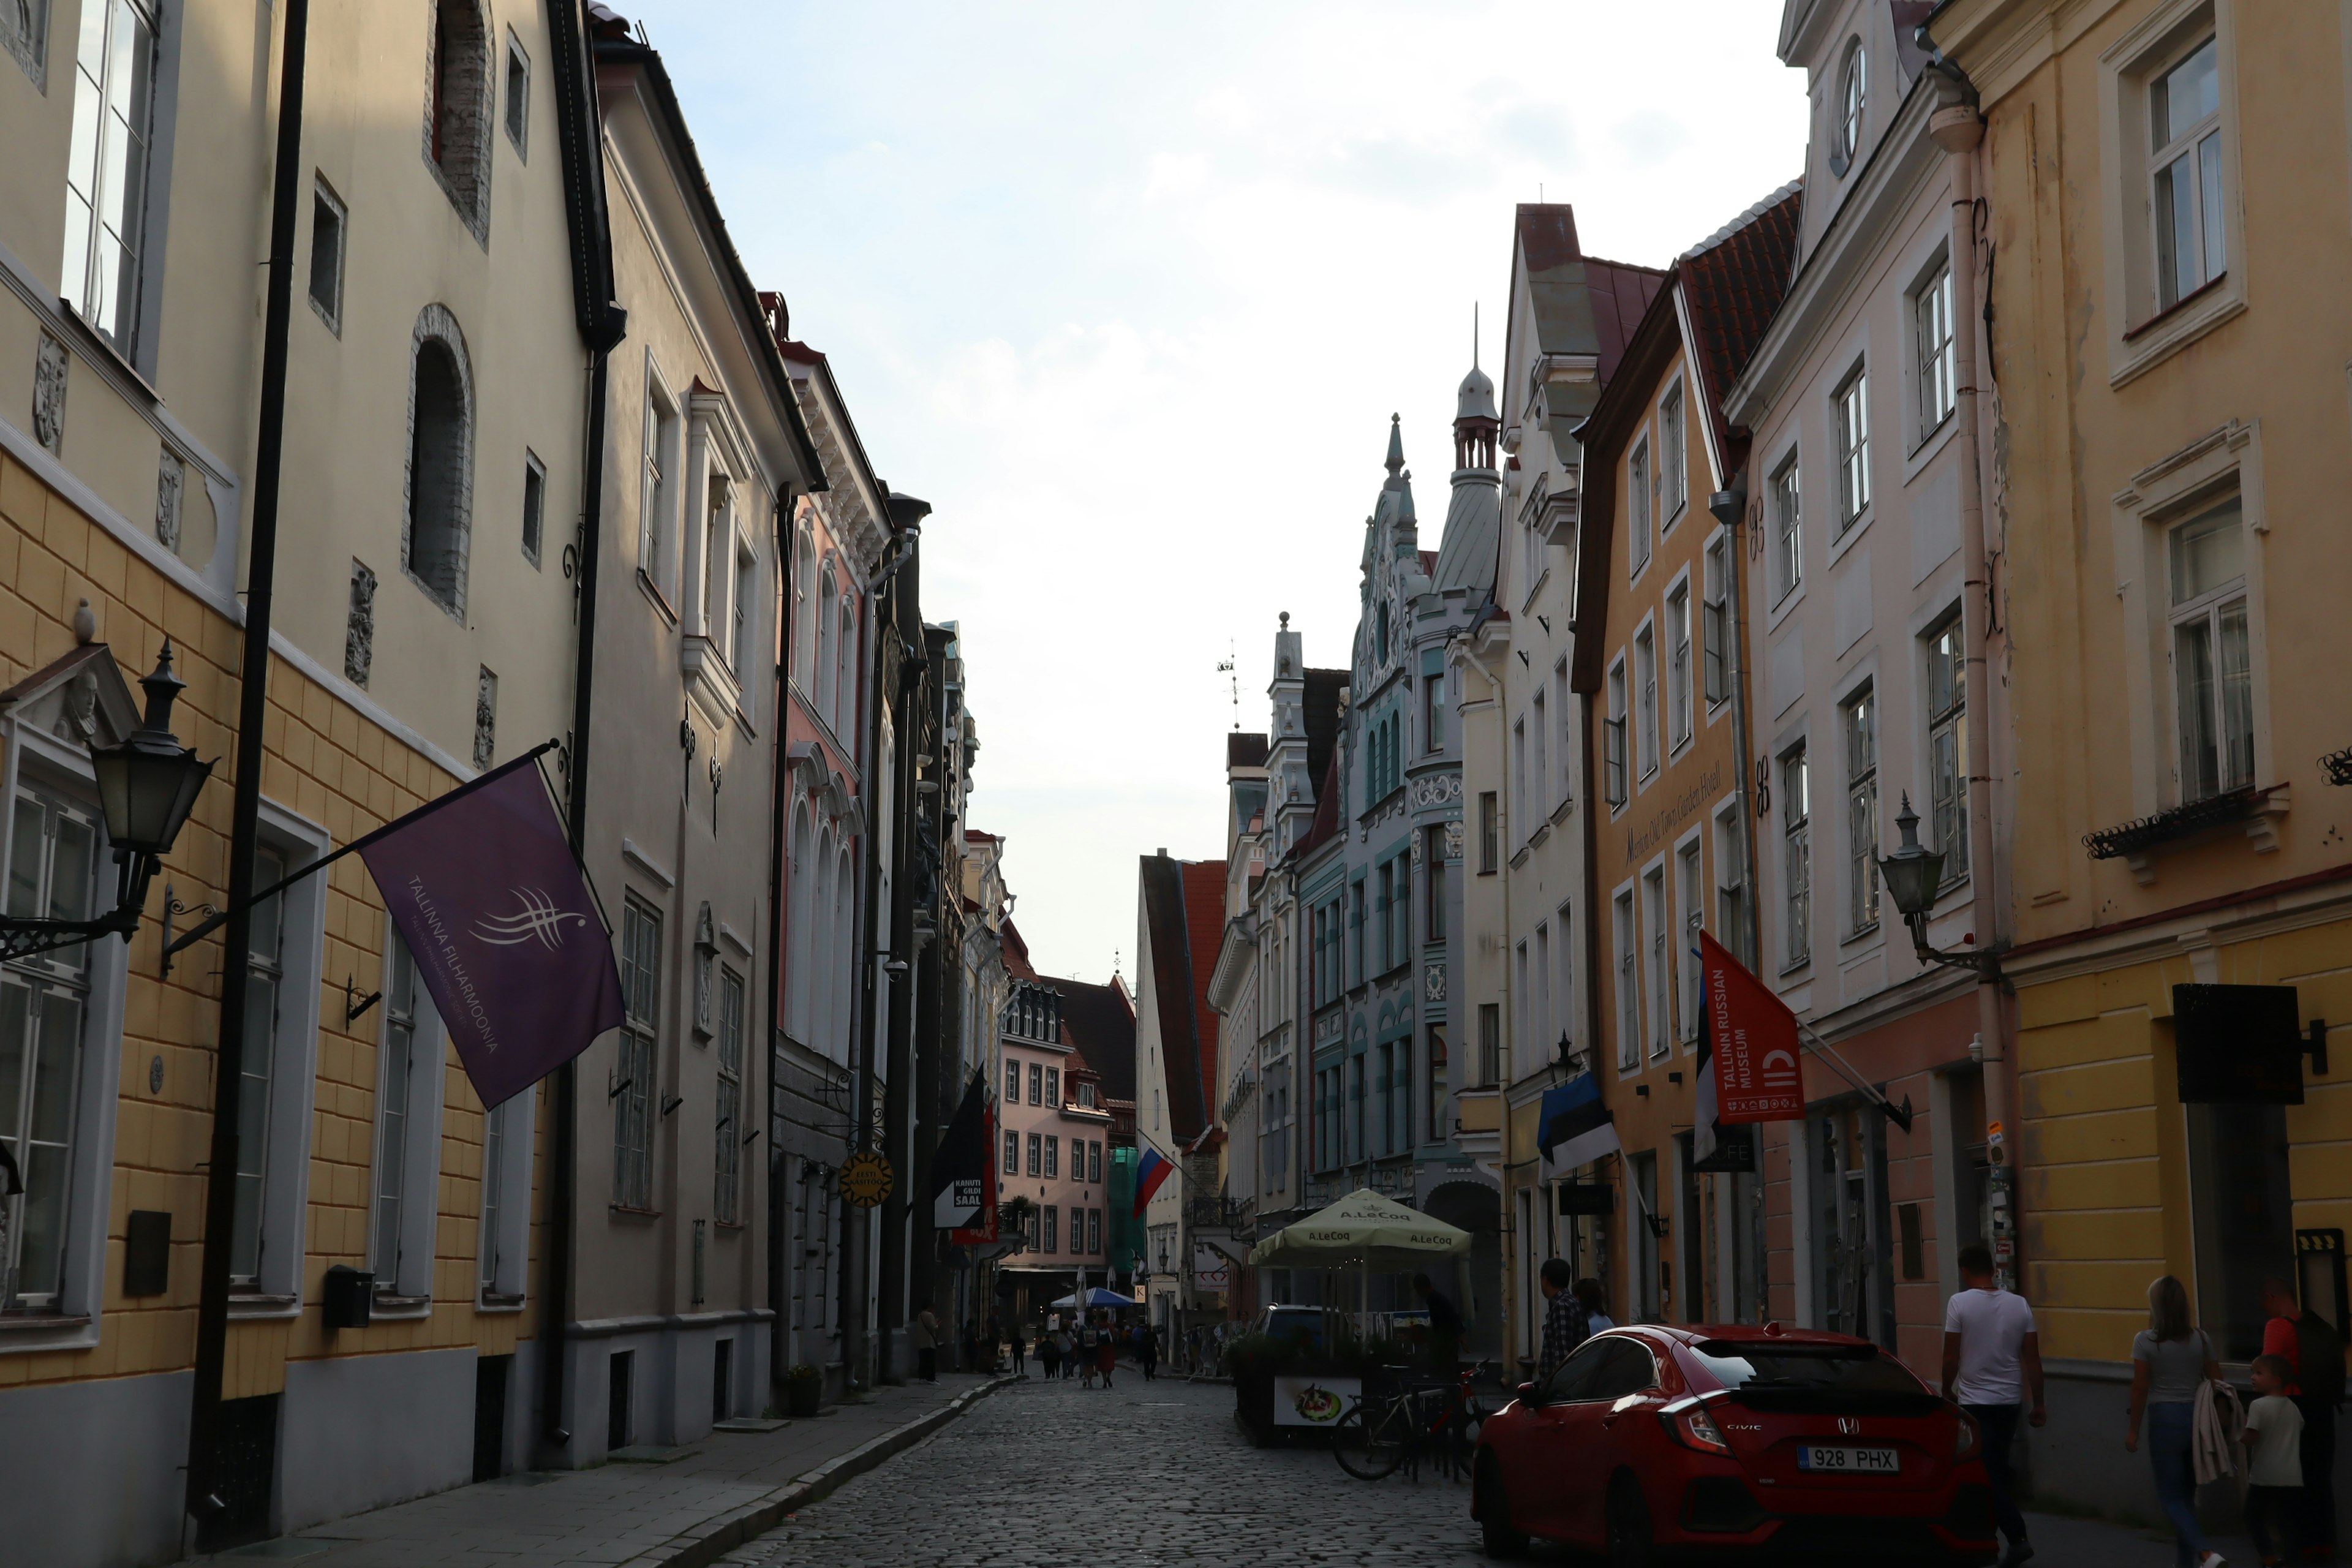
(1958, 130)
(779, 792)
(1730, 508)
(206, 1458)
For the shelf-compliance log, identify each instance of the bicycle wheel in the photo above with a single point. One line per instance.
(1371, 1445)
(1461, 1441)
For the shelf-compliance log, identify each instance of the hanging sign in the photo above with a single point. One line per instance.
(1753, 1039)
(865, 1179)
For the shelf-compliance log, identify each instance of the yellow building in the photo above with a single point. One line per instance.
(2168, 240)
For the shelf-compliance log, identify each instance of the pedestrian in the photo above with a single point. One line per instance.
(1992, 1364)
(2274, 1497)
(1066, 1349)
(1444, 1327)
(1088, 1346)
(925, 1332)
(1147, 1352)
(1106, 1349)
(1020, 1353)
(1049, 1354)
(1565, 1327)
(1590, 1297)
(2171, 1359)
(2315, 1356)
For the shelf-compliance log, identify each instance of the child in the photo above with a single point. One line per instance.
(2274, 1445)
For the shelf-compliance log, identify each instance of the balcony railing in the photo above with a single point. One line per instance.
(1219, 1213)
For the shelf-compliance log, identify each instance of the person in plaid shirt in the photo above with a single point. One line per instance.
(1566, 1325)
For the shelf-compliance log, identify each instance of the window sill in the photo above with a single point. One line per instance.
(652, 591)
(96, 345)
(490, 1301)
(2142, 348)
(399, 1308)
(1848, 532)
(41, 1322)
(1560, 812)
(253, 1305)
(624, 1211)
(1799, 967)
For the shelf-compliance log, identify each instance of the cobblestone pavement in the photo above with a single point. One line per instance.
(1054, 1474)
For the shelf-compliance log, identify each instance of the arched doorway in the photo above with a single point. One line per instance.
(1474, 1206)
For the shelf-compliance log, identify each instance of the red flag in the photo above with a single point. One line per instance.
(1754, 1038)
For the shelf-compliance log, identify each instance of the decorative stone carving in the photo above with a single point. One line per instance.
(24, 28)
(359, 632)
(171, 477)
(1436, 789)
(1453, 839)
(50, 395)
(486, 718)
(1432, 981)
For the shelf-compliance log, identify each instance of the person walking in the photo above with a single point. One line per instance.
(1089, 1349)
(925, 1334)
(1049, 1353)
(1106, 1351)
(1147, 1352)
(1019, 1353)
(2274, 1501)
(1565, 1326)
(1992, 1364)
(2313, 1352)
(2171, 1359)
(1066, 1349)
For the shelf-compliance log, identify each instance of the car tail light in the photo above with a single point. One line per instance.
(1965, 1442)
(1693, 1427)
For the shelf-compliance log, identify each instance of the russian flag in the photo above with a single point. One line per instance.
(1149, 1173)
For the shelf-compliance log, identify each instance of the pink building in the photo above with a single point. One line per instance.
(1056, 1137)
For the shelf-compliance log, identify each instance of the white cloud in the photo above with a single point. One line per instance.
(1129, 297)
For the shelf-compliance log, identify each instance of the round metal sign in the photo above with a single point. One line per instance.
(865, 1179)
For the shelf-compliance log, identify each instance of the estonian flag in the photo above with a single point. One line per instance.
(1573, 1127)
(1149, 1172)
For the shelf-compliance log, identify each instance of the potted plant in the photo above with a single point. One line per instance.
(803, 1389)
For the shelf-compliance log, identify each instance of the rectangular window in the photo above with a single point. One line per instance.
(1564, 721)
(1656, 929)
(633, 1091)
(1490, 832)
(1613, 737)
(44, 1001)
(1523, 1023)
(2212, 678)
(265, 979)
(1094, 1163)
(1788, 531)
(106, 172)
(1563, 990)
(1358, 1144)
(738, 609)
(1036, 1155)
(1401, 912)
(726, 1203)
(1356, 931)
(535, 505)
(1052, 1158)
(1629, 984)
(1539, 776)
(1858, 715)
(1519, 771)
(1931, 315)
(1797, 854)
(1432, 713)
(1037, 1083)
(1490, 1044)
(1094, 1231)
(518, 115)
(407, 1079)
(1385, 913)
(494, 1193)
(1053, 1086)
(1432, 883)
(1692, 906)
(654, 501)
(1646, 675)
(1679, 663)
(1853, 419)
(1012, 1153)
(1638, 525)
(1673, 462)
(1053, 1228)
(1714, 633)
(1731, 903)
(1012, 1081)
(327, 241)
(1540, 1022)
(1948, 749)
(2186, 176)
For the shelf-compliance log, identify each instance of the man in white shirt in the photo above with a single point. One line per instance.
(1992, 1361)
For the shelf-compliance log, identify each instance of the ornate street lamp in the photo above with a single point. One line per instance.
(146, 786)
(1912, 875)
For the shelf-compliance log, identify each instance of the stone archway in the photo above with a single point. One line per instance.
(1476, 1208)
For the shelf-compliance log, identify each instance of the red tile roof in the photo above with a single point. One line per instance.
(1620, 293)
(1732, 288)
(1204, 923)
(1547, 234)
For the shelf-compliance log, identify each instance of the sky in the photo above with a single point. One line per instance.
(1128, 294)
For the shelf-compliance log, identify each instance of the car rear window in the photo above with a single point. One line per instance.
(1827, 1376)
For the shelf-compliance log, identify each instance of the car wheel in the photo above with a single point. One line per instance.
(1629, 1525)
(1492, 1508)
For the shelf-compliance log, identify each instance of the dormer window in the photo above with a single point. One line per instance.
(1853, 95)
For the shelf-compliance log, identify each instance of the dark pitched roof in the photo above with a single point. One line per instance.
(1172, 992)
(1324, 688)
(1732, 287)
(1101, 1024)
(1204, 919)
(1325, 821)
(1619, 292)
(1548, 233)
(1244, 751)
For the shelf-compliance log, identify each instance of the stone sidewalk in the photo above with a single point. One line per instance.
(683, 1508)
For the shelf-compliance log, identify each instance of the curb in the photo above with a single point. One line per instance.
(723, 1532)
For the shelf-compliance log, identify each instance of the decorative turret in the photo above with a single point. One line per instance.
(1476, 424)
(1292, 807)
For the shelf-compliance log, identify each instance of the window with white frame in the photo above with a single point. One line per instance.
(1052, 1158)
(1519, 796)
(1715, 622)
(258, 1071)
(1678, 665)
(518, 97)
(2212, 676)
(727, 1175)
(1852, 417)
(1657, 932)
(656, 486)
(1012, 1081)
(2186, 177)
(494, 1193)
(1734, 915)
(1523, 1023)
(1563, 985)
(408, 1135)
(631, 1090)
(1563, 708)
(1788, 531)
(1540, 772)
(1629, 984)
(1691, 896)
(1797, 856)
(1614, 735)
(329, 229)
(1639, 528)
(1053, 1086)
(1853, 101)
(45, 1007)
(1931, 319)
(1036, 1155)
(1947, 748)
(1645, 676)
(1012, 1153)
(1673, 462)
(1858, 718)
(1539, 1020)
(106, 172)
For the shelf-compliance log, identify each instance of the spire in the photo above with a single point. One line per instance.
(1476, 425)
(1396, 447)
(1474, 334)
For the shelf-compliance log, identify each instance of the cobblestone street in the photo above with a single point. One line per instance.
(1049, 1474)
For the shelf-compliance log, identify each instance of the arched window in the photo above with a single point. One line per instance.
(440, 460)
(824, 931)
(801, 906)
(822, 614)
(845, 681)
(1854, 97)
(844, 909)
(457, 111)
(804, 603)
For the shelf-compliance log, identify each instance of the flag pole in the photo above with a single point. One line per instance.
(1900, 1115)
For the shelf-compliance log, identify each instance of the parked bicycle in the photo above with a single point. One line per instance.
(1397, 1425)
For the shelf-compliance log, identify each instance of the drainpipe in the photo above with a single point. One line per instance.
(779, 791)
(206, 1462)
(1958, 130)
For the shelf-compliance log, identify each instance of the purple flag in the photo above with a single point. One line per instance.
(506, 935)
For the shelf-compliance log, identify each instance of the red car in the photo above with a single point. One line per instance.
(1655, 1442)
